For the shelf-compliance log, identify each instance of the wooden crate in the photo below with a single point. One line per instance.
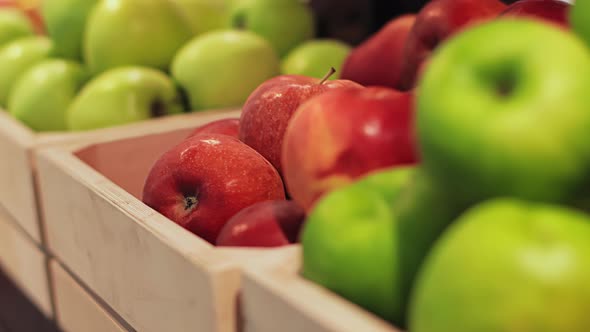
(76, 309)
(154, 274)
(24, 262)
(279, 299)
(17, 169)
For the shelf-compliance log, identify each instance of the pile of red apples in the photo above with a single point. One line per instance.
(250, 181)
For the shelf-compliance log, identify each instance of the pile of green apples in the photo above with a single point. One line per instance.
(110, 62)
(490, 232)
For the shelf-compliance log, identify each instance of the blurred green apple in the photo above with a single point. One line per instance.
(43, 93)
(221, 68)
(18, 56)
(284, 23)
(14, 24)
(65, 21)
(204, 15)
(133, 33)
(315, 58)
(579, 17)
(123, 95)
(491, 113)
(350, 244)
(507, 265)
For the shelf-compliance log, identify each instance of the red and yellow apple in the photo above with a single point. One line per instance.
(378, 60)
(269, 108)
(436, 22)
(341, 135)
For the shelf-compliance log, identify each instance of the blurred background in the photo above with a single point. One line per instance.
(353, 20)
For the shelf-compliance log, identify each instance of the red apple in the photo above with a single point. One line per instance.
(436, 22)
(378, 60)
(269, 108)
(343, 134)
(553, 11)
(205, 180)
(265, 224)
(229, 127)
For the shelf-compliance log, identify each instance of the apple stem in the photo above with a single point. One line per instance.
(328, 75)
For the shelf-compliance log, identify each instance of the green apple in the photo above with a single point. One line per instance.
(65, 21)
(43, 93)
(220, 69)
(579, 17)
(133, 33)
(18, 56)
(284, 23)
(423, 211)
(204, 15)
(510, 266)
(350, 245)
(314, 58)
(123, 95)
(508, 116)
(14, 24)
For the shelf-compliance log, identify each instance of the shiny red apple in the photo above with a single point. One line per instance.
(436, 22)
(265, 224)
(553, 11)
(341, 135)
(377, 61)
(205, 180)
(228, 126)
(269, 108)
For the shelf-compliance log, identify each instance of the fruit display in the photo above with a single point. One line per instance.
(212, 53)
(433, 175)
(444, 192)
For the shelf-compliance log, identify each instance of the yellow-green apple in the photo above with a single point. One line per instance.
(579, 18)
(284, 23)
(436, 22)
(204, 15)
(266, 224)
(123, 95)
(229, 126)
(378, 60)
(350, 245)
(315, 57)
(268, 110)
(491, 114)
(133, 32)
(552, 11)
(30, 9)
(205, 180)
(343, 134)
(65, 21)
(43, 93)
(18, 56)
(219, 69)
(507, 265)
(13, 25)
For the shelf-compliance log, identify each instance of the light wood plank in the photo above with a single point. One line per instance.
(279, 299)
(17, 193)
(75, 309)
(24, 263)
(18, 143)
